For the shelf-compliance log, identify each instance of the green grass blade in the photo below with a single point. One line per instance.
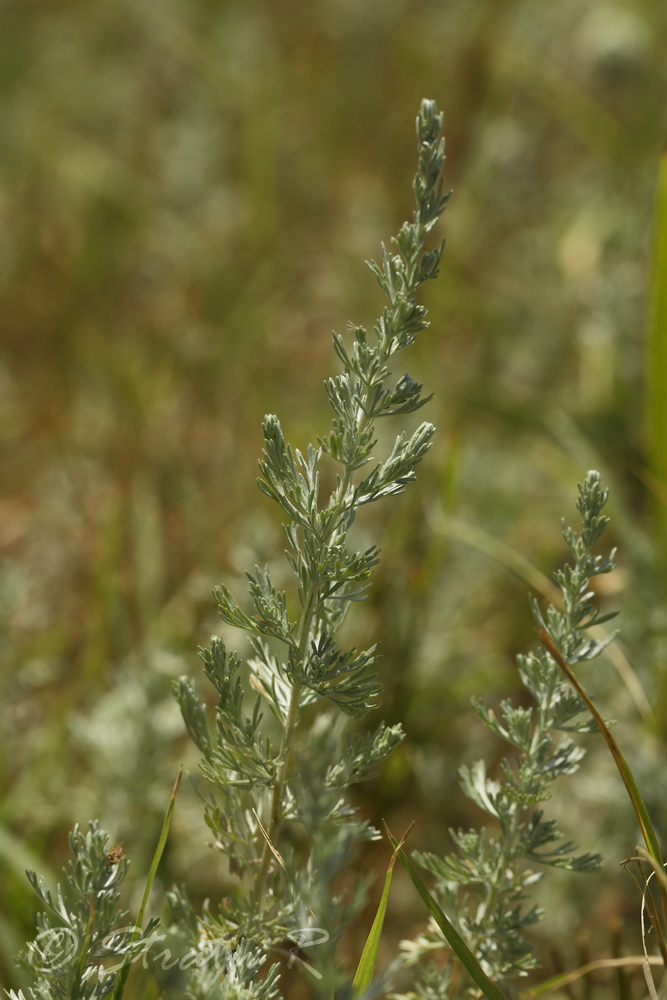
(656, 357)
(648, 832)
(638, 803)
(164, 834)
(161, 844)
(363, 977)
(454, 939)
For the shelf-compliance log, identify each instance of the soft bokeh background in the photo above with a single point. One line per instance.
(188, 189)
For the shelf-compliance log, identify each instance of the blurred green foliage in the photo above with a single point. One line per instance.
(187, 191)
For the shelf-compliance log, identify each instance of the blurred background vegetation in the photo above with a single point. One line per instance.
(188, 189)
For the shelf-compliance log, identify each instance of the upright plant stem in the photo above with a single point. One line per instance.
(286, 745)
(292, 720)
(298, 658)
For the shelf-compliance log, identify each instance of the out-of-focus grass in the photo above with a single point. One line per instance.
(656, 358)
(187, 191)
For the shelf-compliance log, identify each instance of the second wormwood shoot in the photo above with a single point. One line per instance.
(485, 884)
(279, 811)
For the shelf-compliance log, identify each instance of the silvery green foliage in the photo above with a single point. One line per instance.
(239, 980)
(484, 884)
(210, 968)
(84, 936)
(281, 757)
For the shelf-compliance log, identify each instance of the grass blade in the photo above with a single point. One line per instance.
(656, 358)
(645, 823)
(161, 844)
(565, 978)
(454, 939)
(164, 833)
(363, 977)
(648, 832)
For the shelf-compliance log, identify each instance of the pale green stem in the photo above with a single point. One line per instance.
(81, 965)
(305, 627)
(285, 749)
(304, 633)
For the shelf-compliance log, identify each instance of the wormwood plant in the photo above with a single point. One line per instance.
(483, 885)
(280, 813)
(281, 756)
(84, 936)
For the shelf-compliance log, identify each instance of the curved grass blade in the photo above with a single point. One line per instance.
(565, 978)
(638, 803)
(648, 832)
(454, 939)
(656, 357)
(363, 977)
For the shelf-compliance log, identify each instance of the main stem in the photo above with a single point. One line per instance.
(306, 623)
(305, 628)
(285, 750)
